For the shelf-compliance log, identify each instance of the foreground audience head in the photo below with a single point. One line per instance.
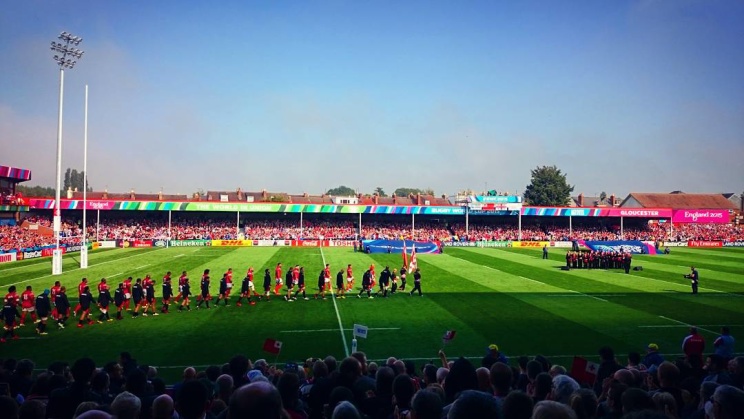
(192, 400)
(426, 404)
(474, 404)
(162, 407)
(259, 400)
(126, 406)
(548, 409)
(345, 410)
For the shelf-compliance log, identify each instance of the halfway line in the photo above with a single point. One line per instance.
(333, 330)
(338, 316)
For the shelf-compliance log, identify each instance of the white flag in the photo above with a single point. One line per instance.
(360, 331)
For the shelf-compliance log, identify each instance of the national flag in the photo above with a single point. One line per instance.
(405, 253)
(448, 336)
(414, 263)
(584, 371)
(360, 331)
(272, 346)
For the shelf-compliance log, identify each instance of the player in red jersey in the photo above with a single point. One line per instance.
(349, 278)
(54, 291)
(127, 292)
(278, 278)
(229, 279)
(181, 281)
(81, 288)
(12, 296)
(27, 305)
(372, 275)
(247, 288)
(327, 277)
(102, 286)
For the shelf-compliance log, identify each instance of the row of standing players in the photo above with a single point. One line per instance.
(141, 294)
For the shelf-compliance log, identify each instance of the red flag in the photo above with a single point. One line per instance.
(414, 263)
(448, 336)
(272, 346)
(583, 371)
(405, 253)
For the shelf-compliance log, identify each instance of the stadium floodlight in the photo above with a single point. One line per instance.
(66, 57)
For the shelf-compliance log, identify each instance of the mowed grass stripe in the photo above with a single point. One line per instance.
(538, 296)
(614, 281)
(647, 301)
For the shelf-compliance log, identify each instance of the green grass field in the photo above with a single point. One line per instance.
(510, 297)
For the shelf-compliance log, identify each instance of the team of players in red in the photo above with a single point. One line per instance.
(139, 295)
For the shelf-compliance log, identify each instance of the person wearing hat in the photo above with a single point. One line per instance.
(493, 356)
(43, 308)
(653, 357)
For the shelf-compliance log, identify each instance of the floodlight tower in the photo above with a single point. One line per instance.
(66, 57)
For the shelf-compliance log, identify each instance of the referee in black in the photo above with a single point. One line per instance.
(417, 282)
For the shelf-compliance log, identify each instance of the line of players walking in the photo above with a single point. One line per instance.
(139, 295)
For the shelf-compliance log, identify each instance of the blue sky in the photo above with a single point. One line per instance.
(622, 96)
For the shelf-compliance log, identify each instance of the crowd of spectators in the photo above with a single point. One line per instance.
(12, 237)
(394, 388)
(8, 197)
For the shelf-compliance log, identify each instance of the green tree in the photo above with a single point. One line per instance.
(74, 180)
(380, 192)
(602, 196)
(548, 188)
(407, 191)
(36, 191)
(341, 191)
(67, 183)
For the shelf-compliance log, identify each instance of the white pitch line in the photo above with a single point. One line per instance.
(178, 256)
(90, 266)
(723, 293)
(143, 266)
(687, 324)
(115, 275)
(338, 316)
(684, 325)
(333, 330)
(543, 283)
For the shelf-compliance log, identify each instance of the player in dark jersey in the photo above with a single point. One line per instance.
(417, 282)
(321, 285)
(138, 296)
(301, 283)
(290, 284)
(9, 315)
(384, 281)
(127, 292)
(185, 293)
(205, 296)
(149, 302)
(366, 285)
(394, 281)
(43, 309)
(340, 289)
(85, 301)
(104, 302)
(167, 293)
(62, 304)
(119, 299)
(267, 284)
(224, 291)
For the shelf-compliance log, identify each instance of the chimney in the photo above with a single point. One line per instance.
(69, 193)
(131, 195)
(305, 195)
(240, 194)
(105, 194)
(160, 196)
(418, 199)
(264, 194)
(581, 199)
(395, 199)
(377, 200)
(612, 200)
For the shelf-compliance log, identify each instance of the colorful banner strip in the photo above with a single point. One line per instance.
(598, 212)
(15, 173)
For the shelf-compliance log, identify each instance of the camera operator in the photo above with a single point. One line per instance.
(693, 277)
